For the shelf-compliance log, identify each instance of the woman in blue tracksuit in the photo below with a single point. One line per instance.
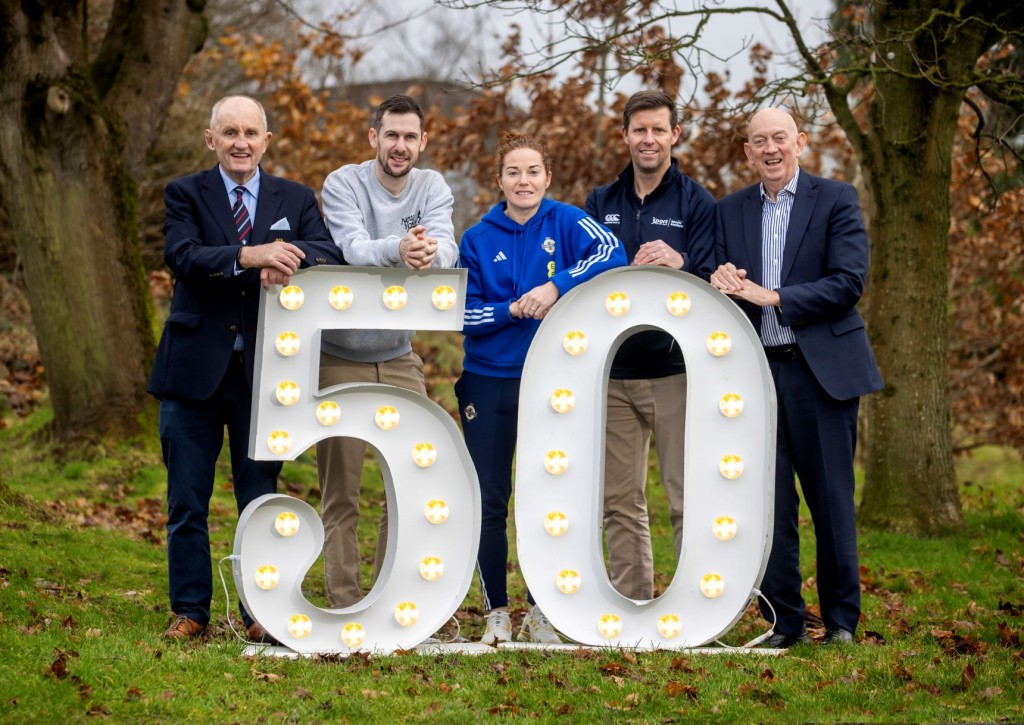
(522, 256)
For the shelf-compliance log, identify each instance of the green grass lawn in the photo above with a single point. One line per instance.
(83, 602)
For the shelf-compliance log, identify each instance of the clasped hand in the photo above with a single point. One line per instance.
(733, 282)
(417, 249)
(535, 303)
(277, 262)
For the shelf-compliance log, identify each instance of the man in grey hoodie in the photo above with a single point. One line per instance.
(382, 213)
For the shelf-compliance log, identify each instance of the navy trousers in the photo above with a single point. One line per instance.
(191, 435)
(489, 409)
(817, 435)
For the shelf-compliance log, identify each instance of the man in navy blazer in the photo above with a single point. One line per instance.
(792, 251)
(228, 230)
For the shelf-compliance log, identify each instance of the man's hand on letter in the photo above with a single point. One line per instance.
(277, 261)
(417, 249)
(658, 253)
(734, 283)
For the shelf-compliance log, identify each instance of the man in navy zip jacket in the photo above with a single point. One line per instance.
(664, 218)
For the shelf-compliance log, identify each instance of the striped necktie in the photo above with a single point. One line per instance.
(242, 222)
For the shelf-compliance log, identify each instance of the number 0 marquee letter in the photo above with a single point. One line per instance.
(728, 470)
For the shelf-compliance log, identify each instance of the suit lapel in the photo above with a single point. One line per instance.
(803, 204)
(216, 201)
(267, 207)
(752, 232)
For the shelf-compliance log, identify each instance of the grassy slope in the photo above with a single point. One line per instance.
(83, 601)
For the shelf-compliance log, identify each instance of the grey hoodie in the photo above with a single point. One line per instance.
(368, 223)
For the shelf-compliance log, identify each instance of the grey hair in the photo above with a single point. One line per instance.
(216, 110)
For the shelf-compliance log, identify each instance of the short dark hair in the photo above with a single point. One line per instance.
(396, 104)
(649, 101)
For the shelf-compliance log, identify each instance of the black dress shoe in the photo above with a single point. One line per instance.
(837, 635)
(785, 641)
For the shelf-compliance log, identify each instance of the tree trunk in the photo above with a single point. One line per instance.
(72, 132)
(910, 482)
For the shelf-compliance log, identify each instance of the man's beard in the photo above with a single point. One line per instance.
(383, 161)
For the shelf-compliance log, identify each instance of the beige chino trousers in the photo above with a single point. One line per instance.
(340, 470)
(636, 410)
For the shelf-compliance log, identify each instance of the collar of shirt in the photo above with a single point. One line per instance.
(252, 188)
(789, 188)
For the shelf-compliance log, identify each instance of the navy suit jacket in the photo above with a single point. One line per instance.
(211, 303)
(824, 266)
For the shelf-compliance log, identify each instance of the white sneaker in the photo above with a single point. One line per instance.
(537, 628)
(499, 627)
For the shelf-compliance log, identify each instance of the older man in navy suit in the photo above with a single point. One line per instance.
(229, 229)
(793, 252)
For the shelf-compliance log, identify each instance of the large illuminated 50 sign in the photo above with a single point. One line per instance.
(433, 495)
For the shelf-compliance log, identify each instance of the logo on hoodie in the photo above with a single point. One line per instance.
(548, 245)
(412, 220)
(611, 218)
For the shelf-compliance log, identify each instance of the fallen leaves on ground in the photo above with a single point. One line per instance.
(954, 645)
(680, 689)
(146, 520)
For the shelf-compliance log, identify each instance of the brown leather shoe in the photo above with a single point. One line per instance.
(184, 628)
(256, 633)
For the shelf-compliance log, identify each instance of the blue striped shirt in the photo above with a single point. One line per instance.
(774, 223)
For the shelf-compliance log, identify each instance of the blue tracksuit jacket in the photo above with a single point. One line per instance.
(505, 259)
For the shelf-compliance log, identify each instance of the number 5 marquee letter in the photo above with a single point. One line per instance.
(431, 484)
(728, 470)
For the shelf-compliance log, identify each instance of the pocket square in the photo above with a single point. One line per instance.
(281, 224)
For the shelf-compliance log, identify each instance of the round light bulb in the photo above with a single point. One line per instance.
(287, 393)
(287, 344)
(669, 626)
(287, 523)
(299, 626)
(730, 405)
(436, 511)
(568, 581)
(719, 343)
(556, 462)
(431, 568)
(712, 586)
(340, 298)
(353, 634)
(279, 442)
(386, 417)
(610, 626)
(328, 413)
(424, 455)
(267, 577)
(291, 297)
(575, 342)
(395, 297)
(678, 304)
(617, 304)
(443, 297)
(556, 523)
(731, 467)
(724, 528)
(406, 614)
(562, 400)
